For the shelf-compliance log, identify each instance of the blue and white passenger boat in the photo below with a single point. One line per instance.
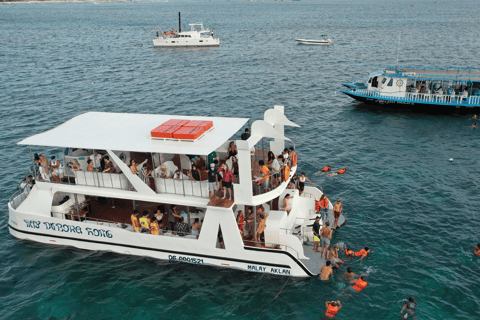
(434, 89)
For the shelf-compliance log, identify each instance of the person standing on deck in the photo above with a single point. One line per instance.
(326, 235)
(337, 211)
(316, 234)
(333, 256)
(301, 182)
(212, 180)
(135, 223)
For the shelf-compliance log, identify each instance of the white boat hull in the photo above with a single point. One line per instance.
(188, 42)
(315, 42)
(90, 236)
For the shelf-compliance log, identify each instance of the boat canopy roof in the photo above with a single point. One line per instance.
(452, 74)
(131, 132)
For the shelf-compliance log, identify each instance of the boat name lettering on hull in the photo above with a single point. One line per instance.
(271, 270)
(185, 259)
(67, 228)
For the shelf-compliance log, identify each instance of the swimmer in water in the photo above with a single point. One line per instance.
(333, 256)
(341, 171)
(326, 271)
(476, 251)
(332, 308)
(349, 275)
(327, 168)
(474, 126)
(474, 117)
(409, 306)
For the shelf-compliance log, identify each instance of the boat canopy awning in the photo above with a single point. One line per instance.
(131, 132)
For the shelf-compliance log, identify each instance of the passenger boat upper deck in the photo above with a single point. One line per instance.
(179, 188)
(433, 89)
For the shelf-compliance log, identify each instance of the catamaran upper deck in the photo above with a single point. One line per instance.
(454, 74)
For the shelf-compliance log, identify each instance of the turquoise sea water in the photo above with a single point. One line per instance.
(404, 199)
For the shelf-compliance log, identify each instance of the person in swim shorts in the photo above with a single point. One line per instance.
(326, 235)
(409, 306)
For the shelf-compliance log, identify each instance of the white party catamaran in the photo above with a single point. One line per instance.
(88, 203)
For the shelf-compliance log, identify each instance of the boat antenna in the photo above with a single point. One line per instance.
(398, 48)
(179, 23)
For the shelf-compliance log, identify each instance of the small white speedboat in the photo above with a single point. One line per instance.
(323, 42)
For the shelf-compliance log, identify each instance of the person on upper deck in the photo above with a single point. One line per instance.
(164, 173)
(178, 175)
(270, 158)
(265, 176)
(293, 155)
(232, 150)
(109, 168)
(246, 134)
(96, 158)
(145, 173)
(276, 169)
(133, 167)
(287, 204)
(194, 173)
(55, 169)
(212, 180)
(90, 165)
(227, 182)
(160, 211)
(75, 165)
(212, 157)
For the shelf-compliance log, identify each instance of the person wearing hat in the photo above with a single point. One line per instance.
(337, 211)
(212, 180)
(316, 234)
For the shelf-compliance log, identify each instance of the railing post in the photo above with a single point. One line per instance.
(255, 223)
(96, 170)
(33, 164)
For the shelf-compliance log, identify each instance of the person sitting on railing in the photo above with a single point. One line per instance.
(135, 223)
(265, 176)
(109, 168)
(227, 182)
(90, 165)
(196, 225)
(194, 173)
(55, 169)
(145, 222)
(97, 158)
(145, 173)
(287, 205)
(181, 227)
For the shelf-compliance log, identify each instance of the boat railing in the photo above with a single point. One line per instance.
(423, 97)
(271, 245)
(185, 187)
(17, 198)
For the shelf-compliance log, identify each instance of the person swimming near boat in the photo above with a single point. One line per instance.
(359, 284)
(332, 308)
(409, 307)
(474, 117)
(341, 171)
(476, 251)
(349, 275)
(474, 126)
(326, 271)
(323, 170)
(362, 253)
(327, 168)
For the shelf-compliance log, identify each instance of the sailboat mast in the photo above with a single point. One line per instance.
(179, 23)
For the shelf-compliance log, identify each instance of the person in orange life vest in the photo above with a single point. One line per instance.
(362, 253)
(349, 252)
(332, 308)
(342, 171)
(476, 251)
(327, 168)
(293, 154)
(135, 223)
(265, 175)
(359, 284)
(145, 222)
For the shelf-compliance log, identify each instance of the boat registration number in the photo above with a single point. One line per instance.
(185, 259)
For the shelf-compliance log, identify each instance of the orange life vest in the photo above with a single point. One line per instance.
(478, 254)
(144, 223)
(135, 225)
(331, 311)
(349, 252)
(324, 203)
(317, 205)
(294, 158)
(341, 171)
(361, 252)
(265, 171)
(287, 172)
(360, 285)
(327, 169)
(154, 228)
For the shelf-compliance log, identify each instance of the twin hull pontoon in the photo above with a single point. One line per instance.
(419, 88)
(91, 209)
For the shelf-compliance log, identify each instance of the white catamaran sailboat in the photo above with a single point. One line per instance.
(198, 36)
(88, 203)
